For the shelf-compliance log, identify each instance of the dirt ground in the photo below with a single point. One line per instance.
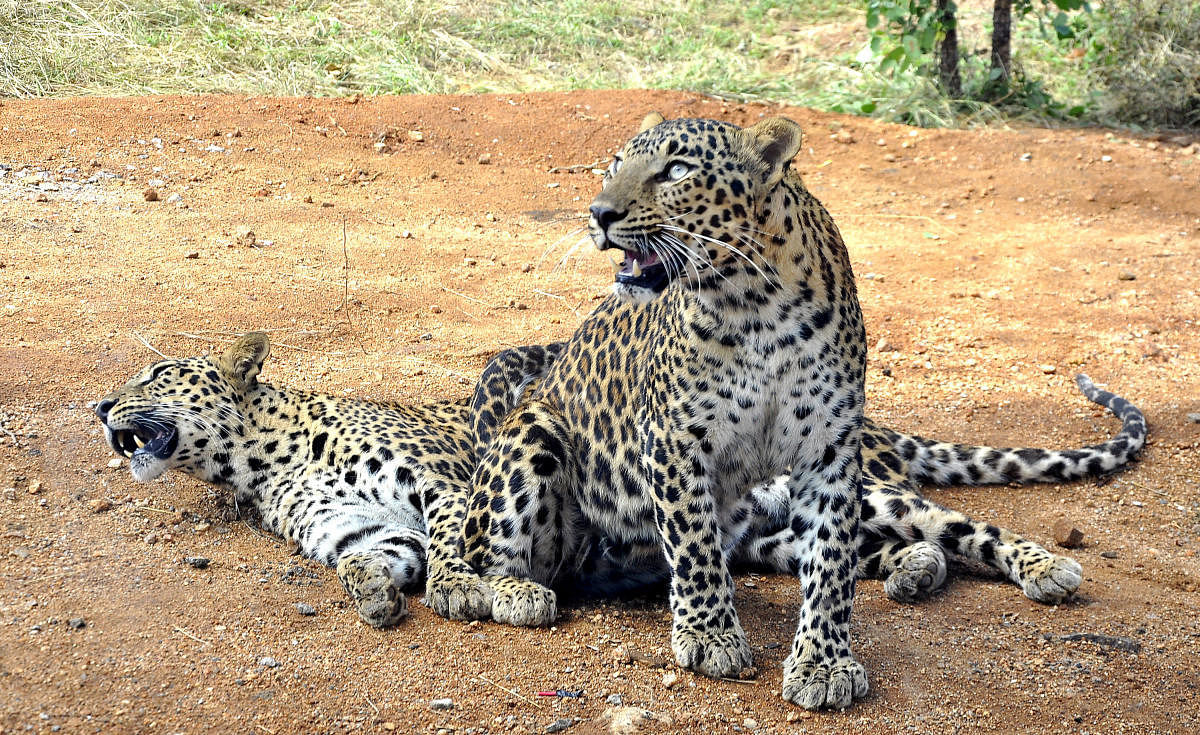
(399, 242)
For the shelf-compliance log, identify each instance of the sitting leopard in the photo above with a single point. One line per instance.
(356, 484)
(732, 353)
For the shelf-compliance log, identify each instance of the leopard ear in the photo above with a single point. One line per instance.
(650, 120)
(777, 140)
(243, 360)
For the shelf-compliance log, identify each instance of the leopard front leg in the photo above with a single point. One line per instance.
(706, 634)
(821, 670)
(521, 528)
(453, 589)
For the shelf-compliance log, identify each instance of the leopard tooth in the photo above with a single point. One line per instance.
(637, 268)
(616, 266)
(138, 441)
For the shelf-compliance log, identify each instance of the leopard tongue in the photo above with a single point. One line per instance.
(636, 262)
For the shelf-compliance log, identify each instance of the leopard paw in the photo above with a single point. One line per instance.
(522, 602)
(816, 683)
(921, 571)
(459, 596)
(1052, 580)
(715, 653)
(368, 579)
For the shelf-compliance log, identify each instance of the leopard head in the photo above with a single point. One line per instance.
(682, 200)
(181, 413)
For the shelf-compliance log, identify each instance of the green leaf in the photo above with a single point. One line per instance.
(867, 108)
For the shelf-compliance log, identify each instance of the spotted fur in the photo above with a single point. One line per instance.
(709, 413)
(354, 484)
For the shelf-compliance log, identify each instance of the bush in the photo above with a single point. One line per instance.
(1147, 55)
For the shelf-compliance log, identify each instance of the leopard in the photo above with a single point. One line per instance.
(710, 411)
(358, 484)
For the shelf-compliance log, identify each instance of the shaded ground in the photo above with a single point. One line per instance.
(993, 264)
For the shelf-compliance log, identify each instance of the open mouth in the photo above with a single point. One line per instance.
(159, 442)
(644, 270)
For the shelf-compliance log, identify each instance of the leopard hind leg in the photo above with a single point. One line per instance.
(1043, 576)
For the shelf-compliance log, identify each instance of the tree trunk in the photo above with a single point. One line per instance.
(947, 51)
(1002, 40)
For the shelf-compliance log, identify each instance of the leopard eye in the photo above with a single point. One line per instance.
(677, 171)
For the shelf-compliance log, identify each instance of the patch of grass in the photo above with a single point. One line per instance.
(70, 47)
(798, 51)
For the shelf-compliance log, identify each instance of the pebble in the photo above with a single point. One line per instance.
(560, 724)
(1194, 418)
(150, 195)
(305, 609)
(1108, 554)
(441, 704)
(199, 562)
(1048, 369)
(268, 662)
(114, 463)
(34, 488)
(416, 136)
(1106, 159)
(99, 505)
(884, 346)
(485, 159)
(151, 538)
(670, 679)
(192, 255)
(1127, 276)
(615, 700)
(750, 723)
(77, 623)
(1067, 535)
(175, 198)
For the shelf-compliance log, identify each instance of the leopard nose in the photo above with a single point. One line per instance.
(103, 407)
(606, 215)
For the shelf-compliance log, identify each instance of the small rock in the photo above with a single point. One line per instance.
(202, 526)
(435, 309)
(1108, 554)
(1048, 369)
(41, 197)
(670, 679)
(305, 609)
(247, 238)
(560, 724)
(268, 662)
(151, 538)
(615, 700)
(527, 267)
(441, 704)
(150, 194)
(1106, 159)
(99, 505)
(406, 235)
(750, 723)
(485, 159)
(389, 726)
(416, 136)
(198, 562)
(884, 346)
(175, 198)
(1067, 535)
(35, 487)
(76, 623)
(1026, 156)
(881, 142)
(792, 716)
(1126, 276)
(1194, 418)
(114, 463)
(622, 655)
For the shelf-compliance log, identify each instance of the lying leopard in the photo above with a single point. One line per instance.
(710, 412)
(356, 484)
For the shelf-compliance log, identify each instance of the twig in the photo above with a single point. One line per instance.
(11, 435)
(738, 681)
(147, 344)
(551, 295)
(510, 691)
(345, 270)
(464, 296)
(189, 635)
(931, 220)
(155, 510)
(265, 728)
(371, 703)
(577, 167)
